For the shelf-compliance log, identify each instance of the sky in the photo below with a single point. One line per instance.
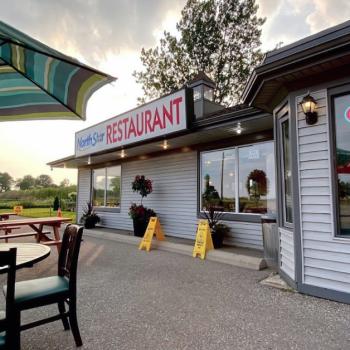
(109, 35)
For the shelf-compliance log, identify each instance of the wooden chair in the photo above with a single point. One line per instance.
(7, 321)
(60, 289)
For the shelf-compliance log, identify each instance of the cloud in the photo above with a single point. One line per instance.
(328, 13)
(268, 8)
(90, 29)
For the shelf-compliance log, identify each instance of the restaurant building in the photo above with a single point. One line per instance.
(284, 152)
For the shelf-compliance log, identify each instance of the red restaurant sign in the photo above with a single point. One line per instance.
(158, 118)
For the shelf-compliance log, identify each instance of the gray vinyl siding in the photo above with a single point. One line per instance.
(84, 188)
(326, 259)
(287, 259)
(245, 234)
(174, 199)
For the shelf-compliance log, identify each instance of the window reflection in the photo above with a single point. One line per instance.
(257, 179)
(342, 126)
(113, 187)
(106, 187)
(218, 180)
(208, 93)
(99, 180)
(287, 173)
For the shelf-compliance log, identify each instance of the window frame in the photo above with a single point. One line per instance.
(332, 95)
(236, 215)
(285, 117)
(100, 207)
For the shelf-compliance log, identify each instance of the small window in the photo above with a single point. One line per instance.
(342, 160)
(106, 187)
(286, 168)
(197, 93)
(208, 93)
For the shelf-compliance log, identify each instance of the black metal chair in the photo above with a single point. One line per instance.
(60, 289)
(7, 321)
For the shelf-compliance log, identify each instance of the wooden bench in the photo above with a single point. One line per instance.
(8, 230)
(52, 242)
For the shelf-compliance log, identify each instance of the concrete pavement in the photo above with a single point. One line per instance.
(130, 299)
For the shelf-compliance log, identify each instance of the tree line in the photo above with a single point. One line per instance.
(28, 182)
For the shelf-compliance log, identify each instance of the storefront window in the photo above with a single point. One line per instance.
(257, 179)
(99, 180)
(106, 187)
(342, 136)
(253, 175)
(113, 187)
(287, 173)
(218, 179)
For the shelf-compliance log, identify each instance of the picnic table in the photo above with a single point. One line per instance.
(6, 216)
(27, 254)
(37, 225)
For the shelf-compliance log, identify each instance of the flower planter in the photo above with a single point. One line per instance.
(89, 225)
(90, 222)
(140, 226)
(217, 239)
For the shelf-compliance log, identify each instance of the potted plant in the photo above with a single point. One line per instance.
(213, 214)
(138, 213)
(89, 218)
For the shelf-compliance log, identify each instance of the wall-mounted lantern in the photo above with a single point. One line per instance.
(308, 104)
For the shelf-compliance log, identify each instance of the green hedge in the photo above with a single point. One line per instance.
(38, 193)
(39, 198)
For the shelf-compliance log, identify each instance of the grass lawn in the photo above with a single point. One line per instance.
(42, 212)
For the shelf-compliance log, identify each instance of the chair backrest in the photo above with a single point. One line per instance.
(68, 258)
(8, 262)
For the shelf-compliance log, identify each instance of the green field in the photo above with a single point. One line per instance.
(42, 212)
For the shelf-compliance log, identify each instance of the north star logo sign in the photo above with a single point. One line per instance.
(90, 140)
(158, 118)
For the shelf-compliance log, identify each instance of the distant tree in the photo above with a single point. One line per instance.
(6, 181)
(65, 183)
(72, 196)
(56, 203)
(26, 183)
(115, 184)
(221, 38)
(43, 181)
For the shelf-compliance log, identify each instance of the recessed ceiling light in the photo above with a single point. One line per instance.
(238, 129)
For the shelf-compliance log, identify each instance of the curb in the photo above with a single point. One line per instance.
(239, 260)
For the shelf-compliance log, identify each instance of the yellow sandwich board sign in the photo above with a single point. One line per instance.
(18, 209)
(153, 228)
(203, 239)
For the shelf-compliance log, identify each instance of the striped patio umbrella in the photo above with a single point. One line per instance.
(38, 82)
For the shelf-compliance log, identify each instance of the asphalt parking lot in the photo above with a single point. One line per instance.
(130, 299)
